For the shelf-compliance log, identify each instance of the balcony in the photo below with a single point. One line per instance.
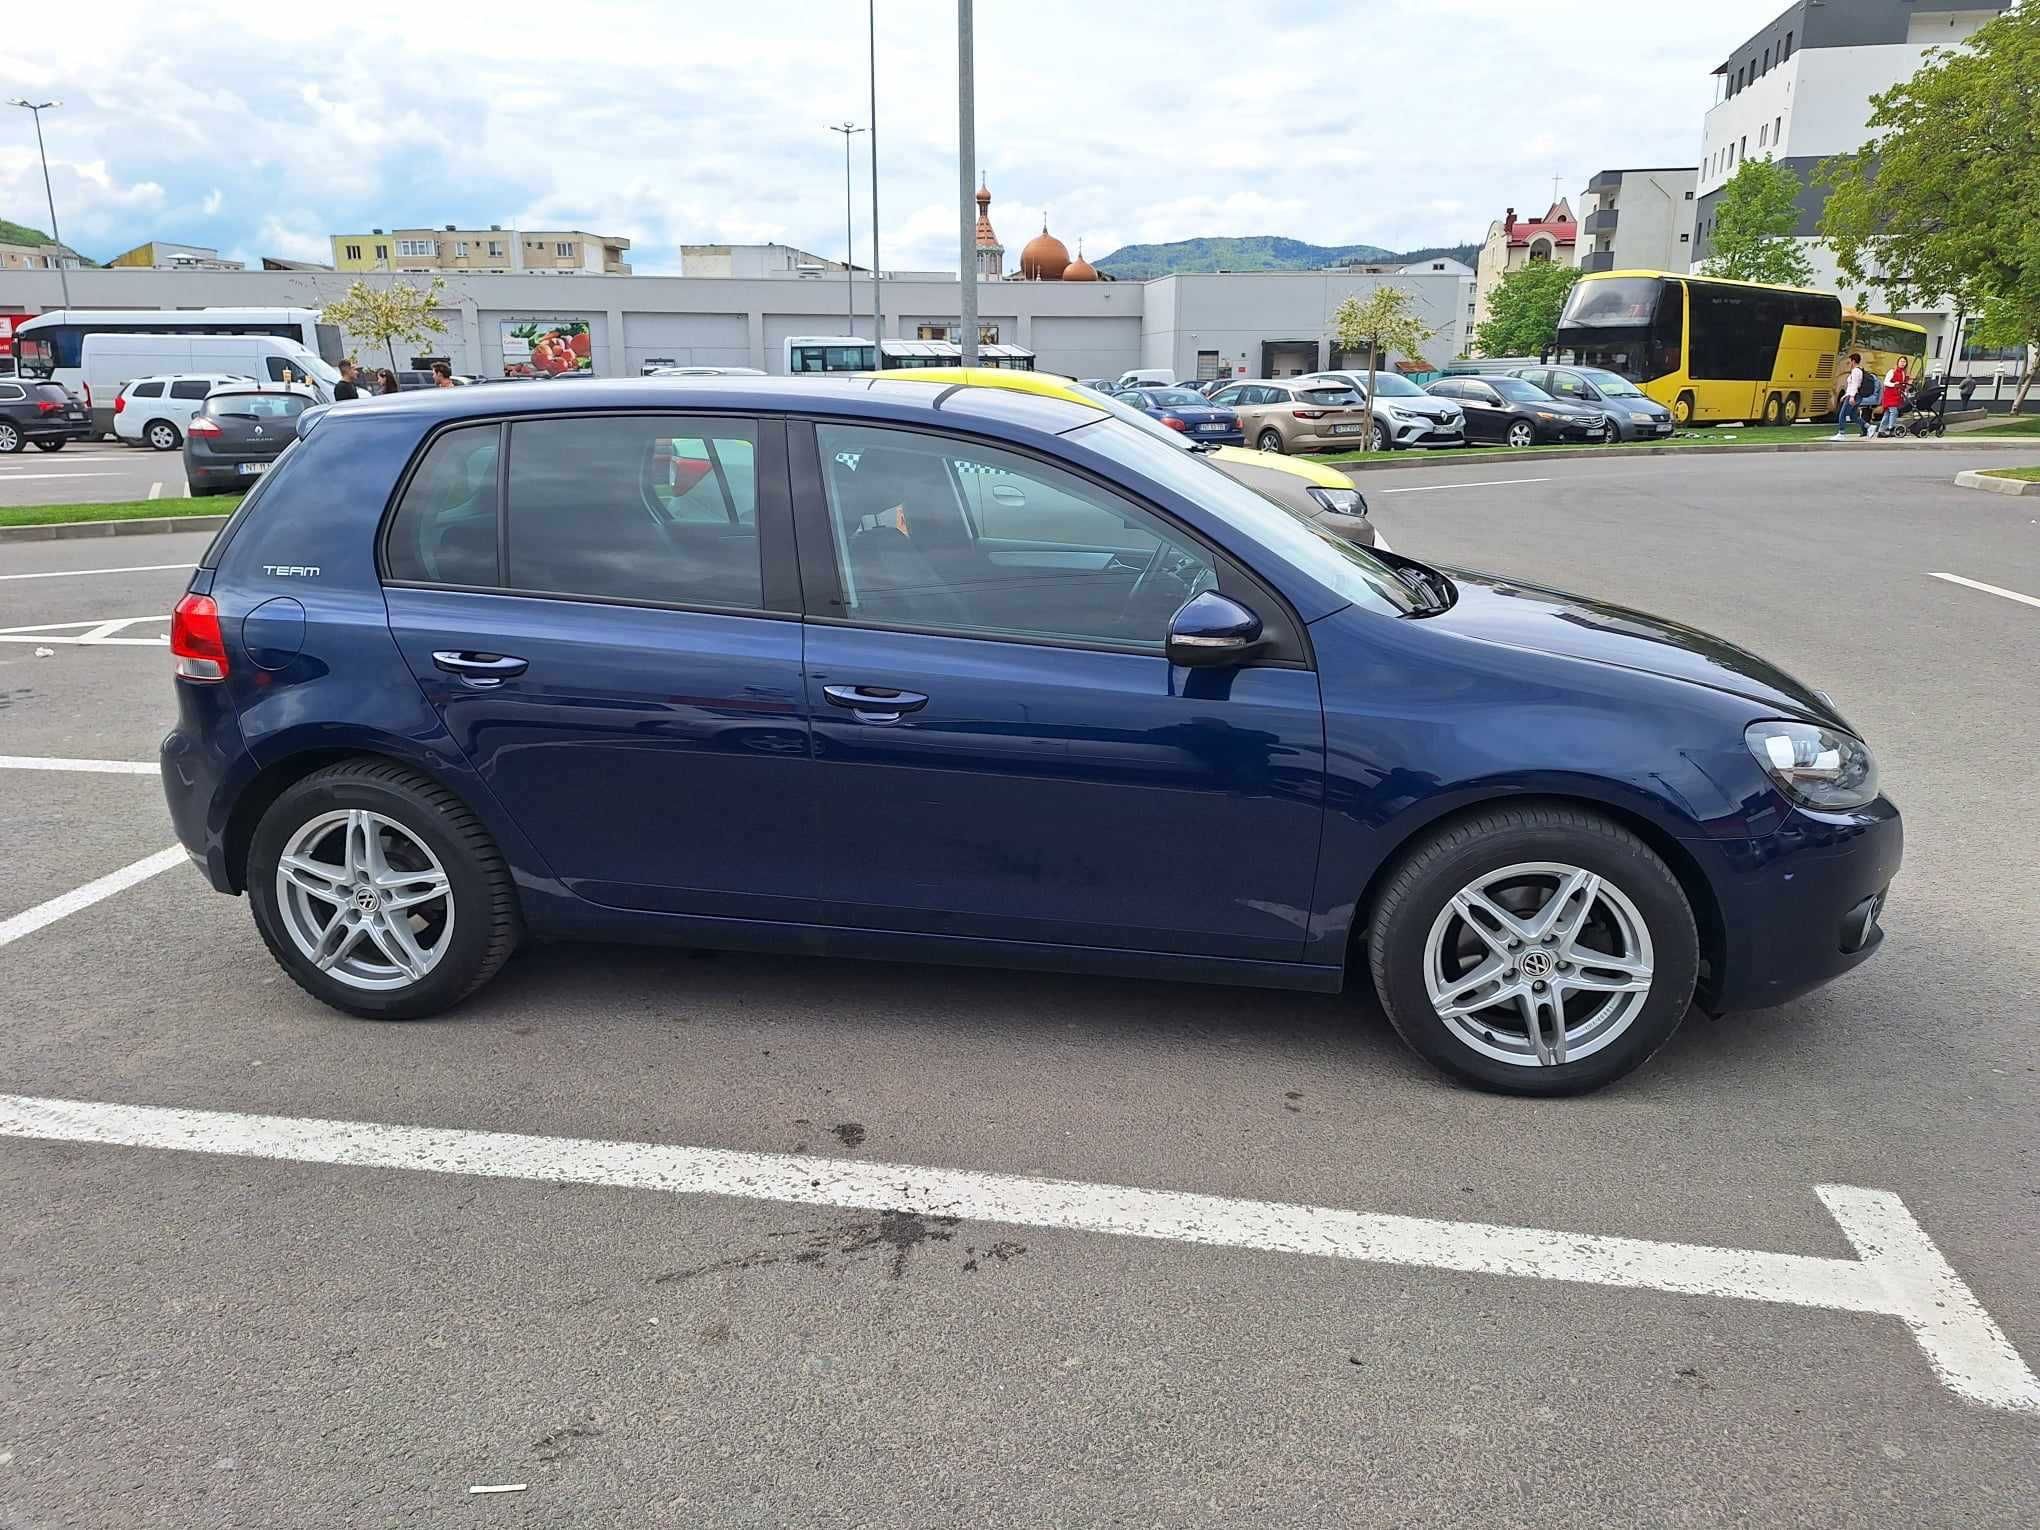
(1601, 220)
(1606, 184)
(1599, 260)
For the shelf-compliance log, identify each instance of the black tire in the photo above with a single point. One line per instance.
(1520, 433)
(1435, 869)
(1789, 410)
(162, 436)
(487, 924)
(11, 439)
(1270, 440)
(1381, 440)
(50, 443)
(1683, 409)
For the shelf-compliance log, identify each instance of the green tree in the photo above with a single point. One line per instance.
(1753, 223)
(1941, 203)
(385, 315)
(1523, 312)
(2002, 324)
(1386, 321)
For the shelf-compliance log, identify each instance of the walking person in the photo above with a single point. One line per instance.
(1893, 400)
(346, 387)
(1851, 412)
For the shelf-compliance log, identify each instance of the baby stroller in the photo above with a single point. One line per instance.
(1923, 414)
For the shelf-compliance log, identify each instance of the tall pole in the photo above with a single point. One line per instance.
(871, 22)
(966, 162)
(850, 130)
(56, 238)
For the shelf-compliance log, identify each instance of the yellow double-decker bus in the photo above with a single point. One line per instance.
(1708, 350)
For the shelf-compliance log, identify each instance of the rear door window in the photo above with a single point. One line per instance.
(639, 508)
(445, 526)
(190, 389)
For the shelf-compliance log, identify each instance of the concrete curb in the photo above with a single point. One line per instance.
(1994, 485)
(64, 531)
(1419, 458)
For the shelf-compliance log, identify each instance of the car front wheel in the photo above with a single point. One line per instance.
(379, 892)
(1538, 950)
(1522, 433)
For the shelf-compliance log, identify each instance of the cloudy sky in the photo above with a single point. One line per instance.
(262, 128)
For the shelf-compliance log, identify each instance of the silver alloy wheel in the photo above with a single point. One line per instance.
(1538, 964)
(363, 899)
(1270, 440)
(1522, 433)
(10, 438)
(163, 436)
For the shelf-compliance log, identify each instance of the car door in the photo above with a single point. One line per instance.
(1003, 751)
(186, 397)
(1487, 418)
(604, 611)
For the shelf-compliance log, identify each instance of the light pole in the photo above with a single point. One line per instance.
(38, 108)
(966, 163)
(871, 25)
(850, 130)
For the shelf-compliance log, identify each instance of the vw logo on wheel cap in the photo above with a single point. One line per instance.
(1538, 964)
(366, 900)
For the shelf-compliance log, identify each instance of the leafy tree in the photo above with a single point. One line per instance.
(1523, 312)
(1384, 322)
(400, 311)
(1940, 203)
(1753, 223)
(2001, 325)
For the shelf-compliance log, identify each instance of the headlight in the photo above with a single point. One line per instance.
(1546, 415)
(1340, 501)
(1817, 767)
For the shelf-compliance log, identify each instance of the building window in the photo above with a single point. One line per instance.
(1684, 237)
(1689, 196)
(417, 247)
(1787, 53)
(496, 248)
(382, 252)
(352, 252)
(1742, 149)
(460, 248)
(562, 248)
(1778, 129)
(1763, 134)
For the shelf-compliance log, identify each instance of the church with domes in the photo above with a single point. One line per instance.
(1044, 259)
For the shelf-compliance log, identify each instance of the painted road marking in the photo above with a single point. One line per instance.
(31, 920)
(25, 477)
(156, 489)
(1898, 1272)
(1484, 483)
(1988, 589)
(99, 634)
(99, 767)
(72, 573)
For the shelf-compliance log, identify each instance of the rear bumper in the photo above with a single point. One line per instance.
(206, 765)
(1803, 906)
(1218, 437)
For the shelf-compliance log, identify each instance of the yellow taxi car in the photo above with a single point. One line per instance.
(1310, 490)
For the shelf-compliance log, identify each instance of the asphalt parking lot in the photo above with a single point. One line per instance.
(91, 473)
(361, 1328)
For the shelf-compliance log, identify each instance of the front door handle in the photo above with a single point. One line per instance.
(483, 669)
(875, 703)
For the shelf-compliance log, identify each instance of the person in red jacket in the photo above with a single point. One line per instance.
(1893, 399)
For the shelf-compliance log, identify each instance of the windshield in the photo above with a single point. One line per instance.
(1518, 391)
(1617, 300)
(1343, 567)
(37, 358)
(1612, 384)
(1395, 385)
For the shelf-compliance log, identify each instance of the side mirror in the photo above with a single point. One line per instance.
(1211, 630)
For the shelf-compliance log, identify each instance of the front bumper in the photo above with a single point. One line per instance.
(1423, 432)
(1638, 428)
(1803, 905)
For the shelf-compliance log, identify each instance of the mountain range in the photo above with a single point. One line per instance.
(1261, 252)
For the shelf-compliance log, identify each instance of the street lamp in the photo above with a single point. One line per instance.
(850, 130)
(38, 108)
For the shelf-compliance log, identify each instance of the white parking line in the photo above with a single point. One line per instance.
(1484, 483)
(25, 477)
(96, 767)
(75, 573)
(1988, 589)
(1898, 1272)
(156, 490)
(99, 634)
(30, 920)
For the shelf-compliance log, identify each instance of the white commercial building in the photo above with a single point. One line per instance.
(1799, 92)
(1638, 220)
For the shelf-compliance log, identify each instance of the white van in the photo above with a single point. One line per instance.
(1147, 377)
(107, 363)
(154, 411)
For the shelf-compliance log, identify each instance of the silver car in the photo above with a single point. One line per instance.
(1404, 414)
(1631, 416)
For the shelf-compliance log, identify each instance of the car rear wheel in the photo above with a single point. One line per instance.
(163, 436)
(50, 443)
(1522, 433)
(379, 892)
(1269, 440)
(10, 437)
(1538, 950)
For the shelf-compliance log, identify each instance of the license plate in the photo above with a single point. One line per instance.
(1214, 429)
(250, 469)
(1664, 427)
(1345, 430)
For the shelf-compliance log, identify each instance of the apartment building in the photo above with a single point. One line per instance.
(1638, 220)
(494, 249)
(162, 255)
(39, 257)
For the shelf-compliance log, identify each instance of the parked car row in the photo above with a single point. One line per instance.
(1512, 405)
(40, 412)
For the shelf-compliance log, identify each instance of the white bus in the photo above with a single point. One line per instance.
(803, 354)
(51, 346)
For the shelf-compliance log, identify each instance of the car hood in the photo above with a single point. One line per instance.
(1497, 610)
(1564, 406)
(1648, 408)
(1292, 467)
(1427, 407)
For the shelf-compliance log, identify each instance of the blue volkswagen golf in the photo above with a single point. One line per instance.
(918, 671)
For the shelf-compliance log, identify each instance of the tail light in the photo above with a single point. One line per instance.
(88, 394)
(202, 425)
(119, 402)
(1311, 414)
(44, 406)
(1173, 423)
(195, 639)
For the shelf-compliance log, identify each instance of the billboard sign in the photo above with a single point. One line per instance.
(551, 346)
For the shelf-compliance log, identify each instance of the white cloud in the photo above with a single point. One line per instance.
(1396, 122)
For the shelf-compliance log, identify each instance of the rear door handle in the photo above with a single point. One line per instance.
(480, 668)
(875, 703)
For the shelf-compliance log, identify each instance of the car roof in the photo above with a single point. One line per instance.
(185, 377)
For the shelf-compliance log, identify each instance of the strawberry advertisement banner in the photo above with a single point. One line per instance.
(546, 345)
